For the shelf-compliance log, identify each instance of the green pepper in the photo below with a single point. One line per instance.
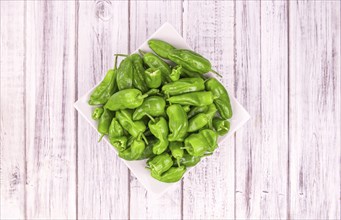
(104, 123)
(189, 161)
(195, 145)
(134, 128)
(116, 135)
(125, 99)
(160, 164)
(178, 122)
(192, 98)
(176, 72)
(184, 85)
(172, 175)
(153, 92)
(196, 110)
(125, 74)
(138, 74)
(211, 138)
(159, 128)
(148, 151)
(97, 113)
(191, 61)
(190, 74)
(155, 62)
(210, 113)
(153, 77)
(197, 122)
(221, 126)
(187, 108)
(152, 106)
(160, 47)
(135, 151)
(176, 150)
(221, 97)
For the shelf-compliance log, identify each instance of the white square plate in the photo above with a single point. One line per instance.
(167, 33)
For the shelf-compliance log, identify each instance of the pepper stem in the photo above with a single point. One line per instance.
(178, 161)
(142, 52)
(215, 72)
(150, 117)
(100, 138)
(115, 64)
(121, 55)
(144, 138)
(144, 96)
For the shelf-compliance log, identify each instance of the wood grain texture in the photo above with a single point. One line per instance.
(12, 111)
(315, 99)
(208, 190)
(143, 23)
(50, 131)
(103, 186)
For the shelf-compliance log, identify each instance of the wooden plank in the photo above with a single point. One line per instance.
(315, 99)
(208, 190)
(143, 23)
(50, 130)
(102, 177)
(12, 110)
(262, 86)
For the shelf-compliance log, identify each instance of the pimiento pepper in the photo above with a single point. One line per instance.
(97, 113)
(210, 113)
(197, 122)
(196, 110)
(125, 99)
(160, 164)
(221, 97)
(152, 106)
(138, 73)
(191, 61)
(160, 47)
(172, 175)
(186, 108)
(197, 144)
(184, 85)
(104, 123)
(148, 151)
(221, 126)
(190, 74)
(192, 98)
(154, 61)
(178, 122)
(176, 150)
(211, 137)
(176, 72)
(153, 77)
(125, 74)
(134, 128)
(116, 135)
(189, 161)
(135, 151)
(159, 128)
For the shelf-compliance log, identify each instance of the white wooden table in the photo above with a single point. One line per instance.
(280, 59)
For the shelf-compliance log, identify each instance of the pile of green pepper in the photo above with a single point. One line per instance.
(165, 112)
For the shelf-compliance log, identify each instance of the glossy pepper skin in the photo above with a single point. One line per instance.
(210, 113)
(97, 113)
(184, 85)
(135, 151)
(159, 128)
(138, 74)
(176, 150)
(116, 135)
(192, 98)
(134, 128)
(160, 164)
(174, 174)
(195, 145)
(196, 110)
(160, 47)
(104, 123)
(153, 77)
(197, 122)
(221, 97)
(104, 90)
(186, 108)
(125, 99)
(176, 73)
(191, 61)
(151, 106)
(211, 137)
(148, 151)
(155, 62)
(221, 126)
(125, 74)
(178, 122)
(189, 161)
(190, 74)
